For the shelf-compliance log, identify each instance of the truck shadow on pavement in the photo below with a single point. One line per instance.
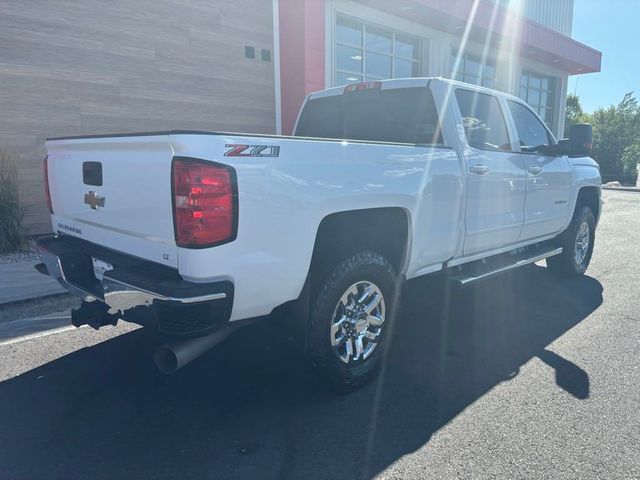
(252, 408)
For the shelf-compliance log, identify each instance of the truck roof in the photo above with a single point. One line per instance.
(412, 82)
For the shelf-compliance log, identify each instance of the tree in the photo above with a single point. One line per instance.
(573, 114)
(616, 129)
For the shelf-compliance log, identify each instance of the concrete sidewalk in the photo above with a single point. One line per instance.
(20, 281)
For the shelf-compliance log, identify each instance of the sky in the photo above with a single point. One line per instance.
(613, 27)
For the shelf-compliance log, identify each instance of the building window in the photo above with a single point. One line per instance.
(366, 53)
(538, 91)
(473, 70)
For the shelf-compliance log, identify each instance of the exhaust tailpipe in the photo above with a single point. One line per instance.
(173, 356)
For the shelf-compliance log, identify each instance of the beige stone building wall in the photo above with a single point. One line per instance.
(88, 67)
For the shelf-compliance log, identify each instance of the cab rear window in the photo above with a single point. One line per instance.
(403, 115)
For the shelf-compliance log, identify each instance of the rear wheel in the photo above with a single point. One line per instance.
(577, 245)
(350, 317)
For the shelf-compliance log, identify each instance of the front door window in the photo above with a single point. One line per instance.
(531, 131)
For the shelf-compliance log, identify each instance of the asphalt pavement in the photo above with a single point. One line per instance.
(522, 376)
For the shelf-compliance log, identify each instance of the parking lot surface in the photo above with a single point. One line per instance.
(522, 376)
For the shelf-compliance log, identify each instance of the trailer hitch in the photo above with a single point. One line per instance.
(95, 314)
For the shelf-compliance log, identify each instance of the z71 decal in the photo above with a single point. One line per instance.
(237, 150)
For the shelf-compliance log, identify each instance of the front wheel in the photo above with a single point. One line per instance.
(577, 246)
(350, 317)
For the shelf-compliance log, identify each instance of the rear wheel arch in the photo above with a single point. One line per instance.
(382, 230)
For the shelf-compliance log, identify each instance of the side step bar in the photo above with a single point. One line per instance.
(480, 271)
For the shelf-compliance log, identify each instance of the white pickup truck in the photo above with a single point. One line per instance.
(197, 233)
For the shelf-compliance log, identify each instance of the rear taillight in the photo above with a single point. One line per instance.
(205, 208)
(47, 193)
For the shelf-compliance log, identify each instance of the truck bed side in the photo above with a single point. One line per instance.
(283, 200)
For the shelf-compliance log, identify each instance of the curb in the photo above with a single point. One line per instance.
(52, 292)
(41, 306)
(622, 189)
(27, 328)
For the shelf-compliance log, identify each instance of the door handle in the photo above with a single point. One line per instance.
(479, 169)
(534, 169)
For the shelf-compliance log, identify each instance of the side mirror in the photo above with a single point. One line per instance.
(580, 140)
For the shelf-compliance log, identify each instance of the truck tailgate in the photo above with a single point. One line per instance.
(116, 192)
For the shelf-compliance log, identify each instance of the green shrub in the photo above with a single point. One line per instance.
(12, 235)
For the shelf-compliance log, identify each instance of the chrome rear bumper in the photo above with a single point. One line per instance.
(132, 283)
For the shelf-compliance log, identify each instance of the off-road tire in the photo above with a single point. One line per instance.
(362, 267)
(566, 264)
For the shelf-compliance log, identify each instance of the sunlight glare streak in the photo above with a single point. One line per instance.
(509, 41)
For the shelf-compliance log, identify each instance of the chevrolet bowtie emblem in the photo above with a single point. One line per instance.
(93, 200)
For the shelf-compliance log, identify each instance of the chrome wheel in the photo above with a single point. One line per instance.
(357, 322)
(582, 243)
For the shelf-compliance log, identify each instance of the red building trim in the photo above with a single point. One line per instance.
(302, 25)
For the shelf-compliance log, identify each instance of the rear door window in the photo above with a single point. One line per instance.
(483, 121)
(401, 115)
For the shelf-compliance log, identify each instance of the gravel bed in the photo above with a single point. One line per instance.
(19, 256)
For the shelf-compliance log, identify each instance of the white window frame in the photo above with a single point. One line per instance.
(392, 56)
(377, 18)
(538, 107)
(482, 60)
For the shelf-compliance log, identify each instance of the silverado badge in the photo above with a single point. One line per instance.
(93, 200)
